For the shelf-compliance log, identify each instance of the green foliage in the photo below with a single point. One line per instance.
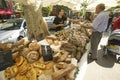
(0, 4)
(77, 70)
(66, 9)
(113, 8)
(84, 4)
(18, 8)
(81, 12)
(46, 10)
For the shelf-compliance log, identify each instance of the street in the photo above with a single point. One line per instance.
(105, 68)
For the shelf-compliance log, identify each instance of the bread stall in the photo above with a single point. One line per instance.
(54, 58)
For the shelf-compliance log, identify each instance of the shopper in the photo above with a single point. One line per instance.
(116, 24)
(110, 20)
(89, 17)
(99, 26)
(59, 21)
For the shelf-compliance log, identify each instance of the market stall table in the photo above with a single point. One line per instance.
(65, 52)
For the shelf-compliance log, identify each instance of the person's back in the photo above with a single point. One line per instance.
(101, 21)
(110, 20)
(116, 24)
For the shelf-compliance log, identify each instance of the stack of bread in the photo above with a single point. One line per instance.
(30, 65)
(77, 38)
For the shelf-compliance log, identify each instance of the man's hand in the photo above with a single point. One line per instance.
(74, 20)
(77, 21)
(86, 25)
(58, 25)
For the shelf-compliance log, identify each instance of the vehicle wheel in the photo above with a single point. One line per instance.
(19, 38)
(118, 60)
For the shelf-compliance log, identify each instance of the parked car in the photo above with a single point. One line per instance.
(13, 30)
(6, 9)
(5, 13)
(49, 21)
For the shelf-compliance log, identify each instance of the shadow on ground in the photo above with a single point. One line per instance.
(106, 61)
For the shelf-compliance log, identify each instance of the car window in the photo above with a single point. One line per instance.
(24, 25)
(11, 25)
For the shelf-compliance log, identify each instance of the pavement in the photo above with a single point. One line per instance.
(105, 68)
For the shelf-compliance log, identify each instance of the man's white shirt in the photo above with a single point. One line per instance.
(100, 22)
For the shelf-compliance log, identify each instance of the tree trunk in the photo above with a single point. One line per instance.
(36, 26)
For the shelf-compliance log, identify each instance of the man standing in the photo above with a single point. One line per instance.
(58, 22)
(99, 25)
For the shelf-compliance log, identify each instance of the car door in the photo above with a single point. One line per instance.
(25, 28)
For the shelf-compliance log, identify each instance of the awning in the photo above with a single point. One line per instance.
(76, 4)
(71, 5)
(108, 4)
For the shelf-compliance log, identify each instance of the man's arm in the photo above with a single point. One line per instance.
(73, 20)
(57, 25)
(88, 26)
(97, 21)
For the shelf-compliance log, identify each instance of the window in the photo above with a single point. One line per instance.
(25, 26)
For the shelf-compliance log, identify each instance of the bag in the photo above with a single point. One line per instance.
(47, 52)
(5, 59)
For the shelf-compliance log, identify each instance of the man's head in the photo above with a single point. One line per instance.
(100, 7)
(61, 12)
